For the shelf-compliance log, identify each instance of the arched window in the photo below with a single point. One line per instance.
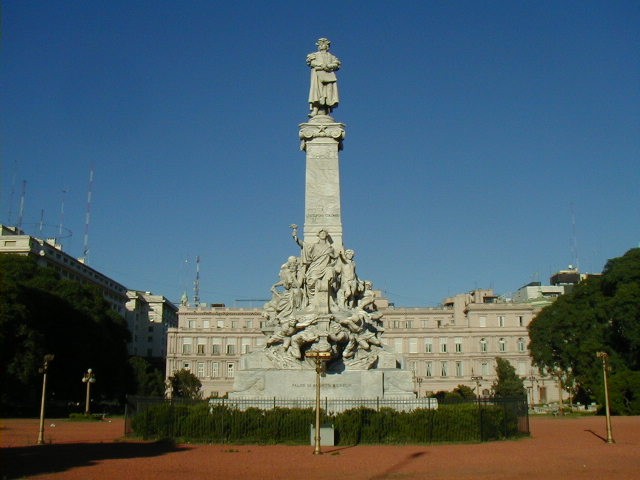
(483, 344)
(521, 346)
(502, 345)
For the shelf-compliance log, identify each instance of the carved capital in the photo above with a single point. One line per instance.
(321, 130)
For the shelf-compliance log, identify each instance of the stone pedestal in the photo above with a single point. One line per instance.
(321, 138)
(300, 384)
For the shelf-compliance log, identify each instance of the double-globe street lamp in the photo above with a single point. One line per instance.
(48, 358)
(88, 378)
(321, 358)
(604, 356)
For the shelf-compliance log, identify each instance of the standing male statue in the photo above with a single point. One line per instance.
(323, 93)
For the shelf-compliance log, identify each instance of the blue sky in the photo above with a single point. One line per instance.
(487, 142)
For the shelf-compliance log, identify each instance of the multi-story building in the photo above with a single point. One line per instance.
(443, 346)
(49, 253)
(149, 317)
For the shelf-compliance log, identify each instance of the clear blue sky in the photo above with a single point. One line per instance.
(476, 133)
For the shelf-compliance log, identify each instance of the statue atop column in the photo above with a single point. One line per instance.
(323, 92)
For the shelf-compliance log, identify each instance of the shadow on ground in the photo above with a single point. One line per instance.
(18, 462)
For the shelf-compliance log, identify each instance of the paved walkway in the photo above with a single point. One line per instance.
(559, 448)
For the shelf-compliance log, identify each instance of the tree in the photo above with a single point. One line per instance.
(41, 313)
(601, 314)
(147, 380)
(185, 384)
(508, 384)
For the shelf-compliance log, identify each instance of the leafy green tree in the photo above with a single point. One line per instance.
(185, 384)
(508, 384)
(601, 314)
(148, 380)
(465, 392)
(41, 313)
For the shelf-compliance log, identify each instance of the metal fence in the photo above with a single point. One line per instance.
(367, 421)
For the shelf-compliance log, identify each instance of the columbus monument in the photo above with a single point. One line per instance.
(319, 305)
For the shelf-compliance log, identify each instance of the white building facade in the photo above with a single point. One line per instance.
(49, 253)
(149, 318)
(443, 346)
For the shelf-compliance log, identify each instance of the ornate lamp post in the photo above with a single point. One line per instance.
(604, 356)
(532, 378)
(88, 378)
(321, 358)
(477, 379)
(45, 366)
(419, 381)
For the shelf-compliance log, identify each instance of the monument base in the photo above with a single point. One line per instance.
(300, 384)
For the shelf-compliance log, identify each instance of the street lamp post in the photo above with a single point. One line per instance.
(419, 380)
(478, 379)
(532, 378)
(45, 366)
(88, 378)
(320, 357)
(604, 356)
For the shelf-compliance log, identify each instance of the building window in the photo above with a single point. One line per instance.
(412, 367)
(186, 346)
(458, 345)
(444, 367)
(398, 345)
(520, 321)
(231, 370)
(250, 323)
(459, 372)
(215, 349)
(483, 321)
(215, 369)
(201, 345)
(234, 324)
(192, 324)
(502, 345)
(206, 324)
(409, 323)
(231, 349)
(483, 344)
(413, 345)
(220, 324)
(428, 345)
(429, 369)
(443, 345)
(246, 345)
(501, 321)
(484, 369)
(521, 344)
(200, 370)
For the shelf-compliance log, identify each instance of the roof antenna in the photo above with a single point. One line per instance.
(196, 284)
(85, 248)
(60, 226)
(574, 239)
(21, 212)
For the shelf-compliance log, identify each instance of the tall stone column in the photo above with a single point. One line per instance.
(321, 138)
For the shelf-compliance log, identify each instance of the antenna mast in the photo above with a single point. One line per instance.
(21, 212)
(64, 192)
(85, 248)
(196, 284)
(574, 239)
